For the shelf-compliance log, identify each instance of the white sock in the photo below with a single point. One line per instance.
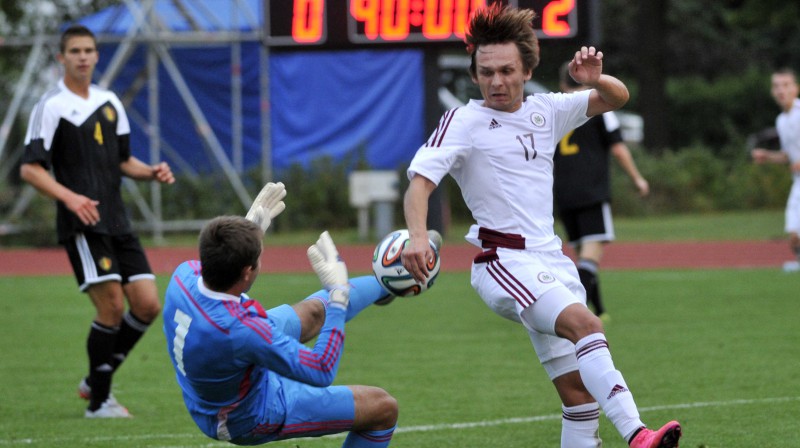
(606, 384)
(580, 426)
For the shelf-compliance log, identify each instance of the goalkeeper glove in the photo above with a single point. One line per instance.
(330, 269)
(267, 205)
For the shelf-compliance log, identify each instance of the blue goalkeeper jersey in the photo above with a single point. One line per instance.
(230, 357)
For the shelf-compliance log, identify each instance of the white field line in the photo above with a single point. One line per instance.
(55, 441)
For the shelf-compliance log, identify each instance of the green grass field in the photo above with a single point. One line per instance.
(716, 349)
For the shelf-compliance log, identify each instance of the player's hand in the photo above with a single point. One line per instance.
(163, 173)
(643, 186)
(330, 269)
(84, 208)
(267, 205)
(586, 66)
(759, 155)
(415, 257)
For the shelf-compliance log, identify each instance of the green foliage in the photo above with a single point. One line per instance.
(320, 198)
(719, 112)
(462, 376)
(696, 180)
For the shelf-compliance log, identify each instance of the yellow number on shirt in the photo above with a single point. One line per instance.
(98, 133)
(565, 147)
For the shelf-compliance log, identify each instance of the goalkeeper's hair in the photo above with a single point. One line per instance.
(499, 24)
(228, 244)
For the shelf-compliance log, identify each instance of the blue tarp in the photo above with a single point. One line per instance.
(323, 103)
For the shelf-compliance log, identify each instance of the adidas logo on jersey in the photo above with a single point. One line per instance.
(494, 124)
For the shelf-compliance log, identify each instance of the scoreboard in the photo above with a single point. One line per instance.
(349, 23)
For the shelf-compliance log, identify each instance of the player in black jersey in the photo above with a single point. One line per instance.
(582, 189)
(82, 133)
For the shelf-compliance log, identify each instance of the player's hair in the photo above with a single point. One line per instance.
(499, 24)
(228, 244)
(785, 71)
(565, 78)
(74, 31)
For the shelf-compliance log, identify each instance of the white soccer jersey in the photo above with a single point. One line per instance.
(503, 162)
(788, 126)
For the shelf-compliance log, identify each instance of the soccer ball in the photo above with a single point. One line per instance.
(389, 270)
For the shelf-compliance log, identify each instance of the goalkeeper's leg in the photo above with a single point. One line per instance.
(364, 291)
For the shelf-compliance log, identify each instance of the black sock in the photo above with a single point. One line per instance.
(100, 345)
(130, 332)
(587, 270)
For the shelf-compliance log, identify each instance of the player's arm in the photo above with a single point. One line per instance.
(415, 207)
(83, 207)
(625, 159)
(318, 366)
(609, 93)
(286, 356)
(136, 169)
(761, 155)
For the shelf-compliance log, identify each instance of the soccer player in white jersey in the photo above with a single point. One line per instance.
(500, 152)
(785, 90)
(81, 132)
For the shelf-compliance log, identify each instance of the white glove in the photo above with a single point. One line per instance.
(267, 205)
(330, 269)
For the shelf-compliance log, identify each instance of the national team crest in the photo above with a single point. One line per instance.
(110, 113)
(546, 277)
(104, 263)
(537, 119)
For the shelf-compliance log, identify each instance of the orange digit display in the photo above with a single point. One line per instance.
(552, 24)
(461, 15)
(368, 13)
(394, 20)
(437, 22)
(351, 23)
(307, 19)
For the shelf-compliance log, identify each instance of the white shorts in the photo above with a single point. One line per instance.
(793, 209)
(510, 281)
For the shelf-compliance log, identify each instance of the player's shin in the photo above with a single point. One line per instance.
(606, 383)
(580, 426)
(364, 291)
(369, 439)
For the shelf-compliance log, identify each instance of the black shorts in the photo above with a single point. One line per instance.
(97, 258)
(590, 223)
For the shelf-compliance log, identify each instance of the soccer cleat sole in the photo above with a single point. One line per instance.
(386, 300)
(671, 438)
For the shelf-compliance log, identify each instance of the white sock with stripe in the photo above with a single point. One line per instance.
(580, 426)
(606, 384)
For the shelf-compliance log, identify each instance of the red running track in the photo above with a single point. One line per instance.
(618, 255)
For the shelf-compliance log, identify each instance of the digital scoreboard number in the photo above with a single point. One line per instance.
(342, 23)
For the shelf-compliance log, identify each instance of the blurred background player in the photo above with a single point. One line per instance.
(83, 134)
(582, 189)
(785, 91)
(500, 151)
(245, 373)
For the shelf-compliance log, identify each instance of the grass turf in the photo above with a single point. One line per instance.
(715, 349)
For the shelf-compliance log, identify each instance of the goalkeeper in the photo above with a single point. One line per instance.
(246, 375)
